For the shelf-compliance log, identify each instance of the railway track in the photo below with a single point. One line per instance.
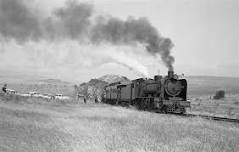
(216, 118)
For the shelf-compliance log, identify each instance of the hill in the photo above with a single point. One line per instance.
(32, 127)
(55, 81)
(24, 83)
(207, 85)
(110, 78)
(197, 85)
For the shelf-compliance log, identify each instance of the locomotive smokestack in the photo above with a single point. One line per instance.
(170, 74)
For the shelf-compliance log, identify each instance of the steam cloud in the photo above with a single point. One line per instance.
(131, 31)
(77, 21)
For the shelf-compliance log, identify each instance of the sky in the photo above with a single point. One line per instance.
(205, 34)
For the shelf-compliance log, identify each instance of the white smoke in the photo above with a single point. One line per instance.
(67, 55)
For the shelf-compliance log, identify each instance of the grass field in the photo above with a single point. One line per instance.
(48, 127)
(201, 90)
(227, 107)
(37, 125)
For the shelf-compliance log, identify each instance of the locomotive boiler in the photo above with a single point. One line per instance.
(163, 94)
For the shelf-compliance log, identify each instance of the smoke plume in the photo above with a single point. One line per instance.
(134, 31)
(18, 21)
(78, 22)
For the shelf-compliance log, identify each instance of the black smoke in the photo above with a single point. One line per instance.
(76, 21)
(132, 31)
(18, 21)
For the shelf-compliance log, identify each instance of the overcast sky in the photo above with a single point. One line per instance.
(205, 34)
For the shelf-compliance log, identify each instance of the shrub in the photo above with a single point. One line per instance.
(219, 94)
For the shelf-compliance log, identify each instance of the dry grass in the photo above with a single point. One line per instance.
(227, 107)
(34, 124)
(201, 90)
(59, 127)
(41, 87)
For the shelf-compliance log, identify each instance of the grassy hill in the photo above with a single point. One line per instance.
(31, 127)
(36, 125)
(26, 83)
(201, 89)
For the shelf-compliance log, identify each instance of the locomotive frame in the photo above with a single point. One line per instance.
(168, 94)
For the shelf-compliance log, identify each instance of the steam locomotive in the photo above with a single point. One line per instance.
(162, 94)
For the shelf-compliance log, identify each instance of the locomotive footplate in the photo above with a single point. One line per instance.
(176, 102)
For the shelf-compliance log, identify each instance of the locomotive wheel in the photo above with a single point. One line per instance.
(182, 110)
(145, 103)
(163, 109)
(141, 104)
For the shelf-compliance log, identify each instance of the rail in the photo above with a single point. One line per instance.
(216, 118)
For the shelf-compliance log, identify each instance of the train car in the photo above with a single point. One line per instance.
(111, 93)
(168, 94)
